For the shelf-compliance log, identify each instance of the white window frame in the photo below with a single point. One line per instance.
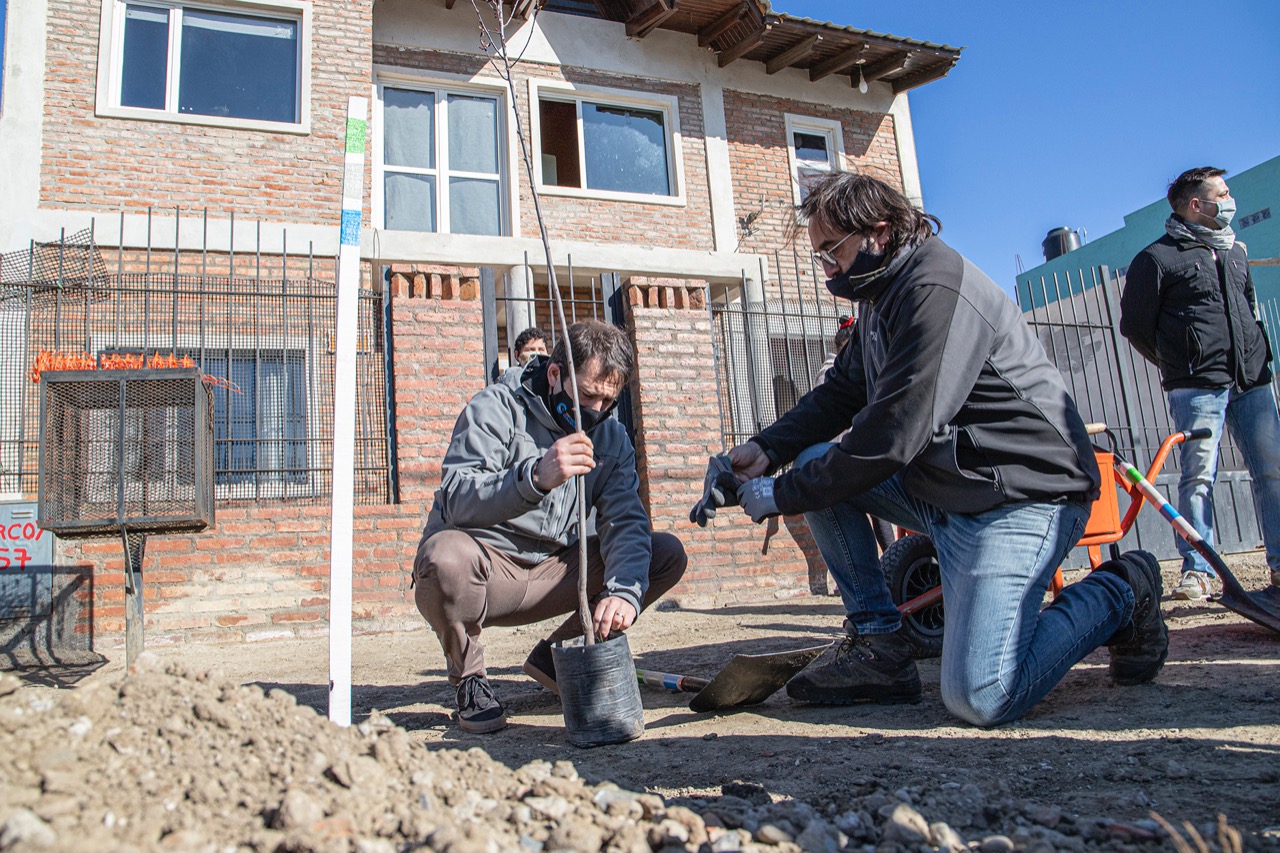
(668, 105)
(111, 58)
(818, 127)
(442, 87)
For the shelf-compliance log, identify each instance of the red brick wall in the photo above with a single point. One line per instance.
(95, 163)
(669, 226)
(757, 136)
(677, 428)
(262, 572)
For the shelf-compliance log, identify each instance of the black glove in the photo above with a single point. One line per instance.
(719, 489)
(756, 497)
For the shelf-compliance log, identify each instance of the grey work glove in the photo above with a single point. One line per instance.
(719, 489)
(756, 497)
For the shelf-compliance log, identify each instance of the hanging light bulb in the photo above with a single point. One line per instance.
(862, 81)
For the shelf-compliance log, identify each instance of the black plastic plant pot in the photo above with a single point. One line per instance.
(599, 692)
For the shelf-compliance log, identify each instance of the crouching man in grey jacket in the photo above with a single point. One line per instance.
(501, 541)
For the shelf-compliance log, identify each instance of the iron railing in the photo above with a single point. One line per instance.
(771, 338)
(263, 326)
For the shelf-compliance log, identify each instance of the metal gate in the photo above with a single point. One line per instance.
(521, 298)
(1077, 318)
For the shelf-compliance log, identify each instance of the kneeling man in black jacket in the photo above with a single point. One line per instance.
(959, 427)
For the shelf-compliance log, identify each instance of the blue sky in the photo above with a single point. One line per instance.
(1076, 114)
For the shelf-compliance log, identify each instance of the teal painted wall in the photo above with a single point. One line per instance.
(1257, 225)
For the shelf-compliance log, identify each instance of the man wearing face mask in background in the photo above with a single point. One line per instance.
(1189, 307)
(959, 427)
(501, 542)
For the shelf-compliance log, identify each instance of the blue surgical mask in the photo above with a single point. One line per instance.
(1226, 211)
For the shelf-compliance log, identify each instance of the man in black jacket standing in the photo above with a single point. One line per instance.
(957, 426)
(1190, 309)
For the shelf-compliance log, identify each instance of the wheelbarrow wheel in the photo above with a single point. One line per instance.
(911, 568)
(884, 533)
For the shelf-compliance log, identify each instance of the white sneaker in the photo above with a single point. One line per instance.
(1194, 587)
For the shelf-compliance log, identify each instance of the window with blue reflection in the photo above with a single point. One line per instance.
(626, 149)
(230, 66)
(238, 66)
(146, 57)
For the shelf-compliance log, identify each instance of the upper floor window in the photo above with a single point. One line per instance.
(233, 62)
(440, 161)
(608, 145)
(814, 147)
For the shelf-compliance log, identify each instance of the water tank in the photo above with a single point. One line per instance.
(1058, 242)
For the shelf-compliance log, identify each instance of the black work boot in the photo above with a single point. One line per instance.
(1139, 647)
(866, 668)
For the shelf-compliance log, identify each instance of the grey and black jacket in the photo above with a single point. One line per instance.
(946, 384)
(1191, 311)
(486, 487)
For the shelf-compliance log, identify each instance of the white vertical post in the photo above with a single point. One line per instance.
(344, 416)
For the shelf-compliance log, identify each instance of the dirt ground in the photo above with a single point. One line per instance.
(1203, 740)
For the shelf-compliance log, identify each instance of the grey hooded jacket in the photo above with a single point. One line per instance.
(945, 383)
(486, 488)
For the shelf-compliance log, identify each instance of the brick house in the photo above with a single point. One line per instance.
(668, 143)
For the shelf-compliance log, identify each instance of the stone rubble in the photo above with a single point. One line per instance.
(168, 759)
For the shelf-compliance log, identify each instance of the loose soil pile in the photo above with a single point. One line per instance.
(174, 757)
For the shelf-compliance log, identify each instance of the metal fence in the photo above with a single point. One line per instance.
(772, 334)
(263, 327)
(1077, 318)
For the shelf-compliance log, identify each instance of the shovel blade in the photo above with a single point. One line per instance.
(1261, 607)
(751, 679)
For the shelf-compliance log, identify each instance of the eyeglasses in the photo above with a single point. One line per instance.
(827, 256)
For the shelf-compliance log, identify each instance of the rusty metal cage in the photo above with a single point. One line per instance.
(125, 450)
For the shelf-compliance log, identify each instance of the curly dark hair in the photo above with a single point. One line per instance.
(533, 333)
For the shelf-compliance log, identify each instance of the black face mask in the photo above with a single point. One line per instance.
(843, 285)
(561, 405)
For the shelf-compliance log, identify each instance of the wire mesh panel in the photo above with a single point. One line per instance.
(269, 338)
(771, 341)
(125, 448)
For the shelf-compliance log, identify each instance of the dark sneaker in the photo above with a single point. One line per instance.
(1140, 646)
(479, 711)
(541, 666)
(866, 668)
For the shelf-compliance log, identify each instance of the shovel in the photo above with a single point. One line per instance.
(1261, 607)
(747, 680)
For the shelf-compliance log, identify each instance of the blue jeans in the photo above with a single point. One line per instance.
(1001, 653)
(1251, 416)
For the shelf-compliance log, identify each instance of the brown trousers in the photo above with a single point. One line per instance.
(462, 586)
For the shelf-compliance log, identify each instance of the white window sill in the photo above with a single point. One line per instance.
(302, 128)
(606, 195)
